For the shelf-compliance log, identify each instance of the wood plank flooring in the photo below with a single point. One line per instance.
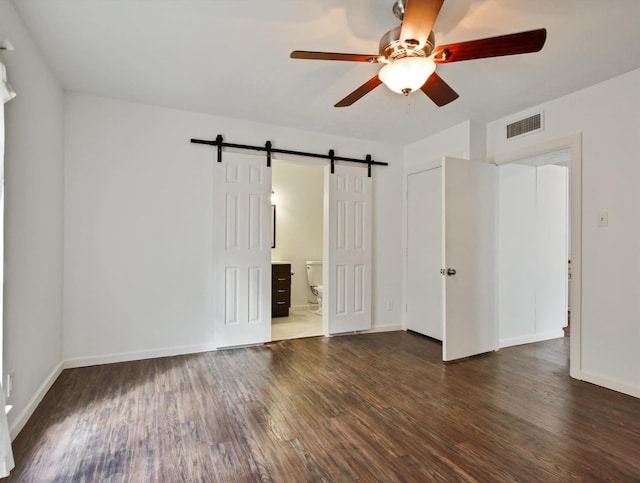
(376, 407)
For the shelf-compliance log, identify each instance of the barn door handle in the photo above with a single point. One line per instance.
(451, 271)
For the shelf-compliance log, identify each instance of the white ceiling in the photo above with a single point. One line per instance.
(231, 58)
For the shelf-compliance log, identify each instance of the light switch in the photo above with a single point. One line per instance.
(603, 218)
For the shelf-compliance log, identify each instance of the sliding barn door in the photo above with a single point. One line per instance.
(242, 250)
(349, 234)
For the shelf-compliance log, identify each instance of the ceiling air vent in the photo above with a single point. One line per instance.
(525, 126)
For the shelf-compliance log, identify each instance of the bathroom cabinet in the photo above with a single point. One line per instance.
(280, 289)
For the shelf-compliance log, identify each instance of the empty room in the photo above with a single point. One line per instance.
(381, 240)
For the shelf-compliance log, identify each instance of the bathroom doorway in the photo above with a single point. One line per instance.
(297, 238)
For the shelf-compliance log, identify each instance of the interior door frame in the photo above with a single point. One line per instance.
(574, 144)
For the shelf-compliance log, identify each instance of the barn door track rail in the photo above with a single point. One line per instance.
(269, 149)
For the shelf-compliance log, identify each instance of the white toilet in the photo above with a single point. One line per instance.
(314, 276)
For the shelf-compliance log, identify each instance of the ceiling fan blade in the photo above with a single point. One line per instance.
(365, 88)
(511, 44)
(306, 54)
(438, 90)
(419, 17)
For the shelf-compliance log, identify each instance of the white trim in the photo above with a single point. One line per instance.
(372, 330)
(382, 328)
(528, 339)
(572, 142)
(566, 142)
(31, 406)
(613, 384)
(136, 356)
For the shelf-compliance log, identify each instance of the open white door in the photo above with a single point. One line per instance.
(242, 256)
(347, 294)
(470, 325)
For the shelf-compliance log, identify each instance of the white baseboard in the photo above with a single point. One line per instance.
(136, 356)
(372, 330)
(31, 406)
(528, 339)
(383, 328)
(614, 385)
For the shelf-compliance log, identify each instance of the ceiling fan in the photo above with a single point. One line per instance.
(409, 54)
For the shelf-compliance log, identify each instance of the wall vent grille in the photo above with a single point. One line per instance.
(524, 126)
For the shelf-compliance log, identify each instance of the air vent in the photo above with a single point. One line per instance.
(525, 126)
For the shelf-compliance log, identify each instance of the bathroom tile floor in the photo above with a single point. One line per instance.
(300, 323)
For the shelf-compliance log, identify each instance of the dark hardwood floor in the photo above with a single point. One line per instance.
(377, 407)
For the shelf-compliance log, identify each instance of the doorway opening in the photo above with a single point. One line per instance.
(534, 251)
(297, 250)
(554, 155)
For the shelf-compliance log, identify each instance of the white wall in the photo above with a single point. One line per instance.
(139, 220)
(454, 141)
(300, 199)
(608, 116)
(33, 222)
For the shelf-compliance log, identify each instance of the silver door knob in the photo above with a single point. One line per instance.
(451, 271)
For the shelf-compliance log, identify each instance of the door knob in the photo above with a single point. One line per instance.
(451, 271)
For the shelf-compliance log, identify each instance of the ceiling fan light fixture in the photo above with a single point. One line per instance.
(407, 74)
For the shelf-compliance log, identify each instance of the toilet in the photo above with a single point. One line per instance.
(314, 276)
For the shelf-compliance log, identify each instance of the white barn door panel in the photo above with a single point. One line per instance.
(242, 256)
(348, 250)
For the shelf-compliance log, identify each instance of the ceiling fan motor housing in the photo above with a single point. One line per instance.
(392, 48)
